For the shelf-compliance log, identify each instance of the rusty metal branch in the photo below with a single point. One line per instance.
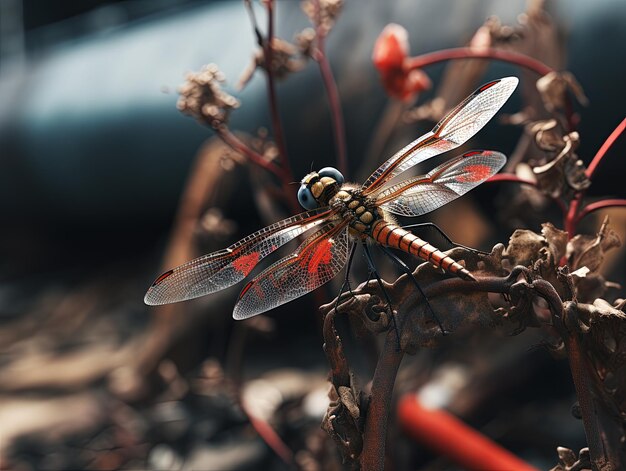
(520, 286)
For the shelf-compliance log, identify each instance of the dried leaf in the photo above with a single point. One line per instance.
(553, 88)
(557, 241)
(524, 247)
(588, 251)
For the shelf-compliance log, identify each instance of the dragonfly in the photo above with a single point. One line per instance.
(339, 216)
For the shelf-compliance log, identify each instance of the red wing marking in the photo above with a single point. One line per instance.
(318, 259)
(321, 255)
(475, 173)
(473, 152)
(246, 263)
(246, 288)
(422, 194)
(162, 277)
(219, 270)
(488, 85)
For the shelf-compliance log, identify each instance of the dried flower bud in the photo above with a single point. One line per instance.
(322, 13)
(547, 135)
(285, 60)
(553, 88)
(565, 172)
(390, 53)
(202, 97)
(305, 41)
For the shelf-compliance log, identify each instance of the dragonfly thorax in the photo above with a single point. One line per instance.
(361, 211)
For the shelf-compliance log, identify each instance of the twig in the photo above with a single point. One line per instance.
(271, 92)
(333, 96)
(237, 144)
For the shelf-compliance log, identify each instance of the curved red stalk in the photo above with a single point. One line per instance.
(605, 147)
(590, 208)
(475, 53)
(511, 178)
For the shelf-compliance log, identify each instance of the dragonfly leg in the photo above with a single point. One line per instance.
(407, 270)
(370, 262)
(436, 229)
(346, 281)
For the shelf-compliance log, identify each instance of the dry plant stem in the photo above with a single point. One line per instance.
(475, 53)
(375, 434)
(201, 189)
(286, 175)
(333, 95)
(237, 144)
(583, 393)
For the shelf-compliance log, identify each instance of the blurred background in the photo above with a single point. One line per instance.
(94, 161)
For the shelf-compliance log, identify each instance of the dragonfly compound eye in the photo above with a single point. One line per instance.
(332, 173)
(305, 198)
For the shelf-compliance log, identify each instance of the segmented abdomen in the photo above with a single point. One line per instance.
(395, 237)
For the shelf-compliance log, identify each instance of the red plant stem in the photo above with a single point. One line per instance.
(590, 208)
(286, 175)
(450, 437)
(605, 147)
(233, 141)
(509, 177)
(570, 218)
(269, 436)
(474, 53)
(333, 95)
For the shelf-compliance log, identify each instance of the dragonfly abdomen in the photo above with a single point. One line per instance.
(391, 235)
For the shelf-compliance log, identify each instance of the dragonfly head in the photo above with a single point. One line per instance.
(317, 188)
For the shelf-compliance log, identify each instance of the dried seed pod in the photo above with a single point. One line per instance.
(202, 97)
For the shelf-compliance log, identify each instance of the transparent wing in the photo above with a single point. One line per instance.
(425, 193)
(316, 262)
(456, 128)
(219, 270)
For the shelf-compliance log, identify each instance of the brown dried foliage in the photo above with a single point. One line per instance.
(537, 291)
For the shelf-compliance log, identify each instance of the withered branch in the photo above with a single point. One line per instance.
(459, 303)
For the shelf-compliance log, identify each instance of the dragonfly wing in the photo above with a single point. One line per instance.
(219, 270)
(316, 262)
(425, 193)
(456, 128)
